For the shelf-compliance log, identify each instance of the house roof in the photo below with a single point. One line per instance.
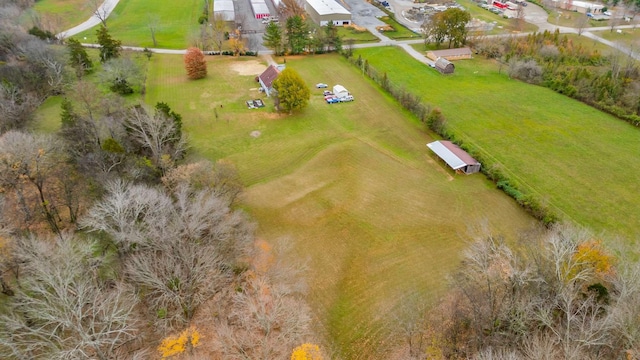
(451, 52)
(338, 89)
(269, 75)
(327, 7)
(452, 154)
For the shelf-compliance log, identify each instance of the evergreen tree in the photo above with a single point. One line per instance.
(78, 57)
(273, 38)
(109, 47)
(297, 34)
(293, 92)
(164, 109)
(333, 40)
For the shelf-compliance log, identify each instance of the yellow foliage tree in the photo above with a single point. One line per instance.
(306, 352)
(591, 254)
(174, 345)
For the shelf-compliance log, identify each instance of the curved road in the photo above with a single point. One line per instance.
(104, 10)
(534, 14)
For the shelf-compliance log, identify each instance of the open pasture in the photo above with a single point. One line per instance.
(176, 21)
(352, 186)
(580, 161)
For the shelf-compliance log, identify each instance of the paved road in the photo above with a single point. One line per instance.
(105, 9)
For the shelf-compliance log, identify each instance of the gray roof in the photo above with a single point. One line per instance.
(452, 154)
(327, 7)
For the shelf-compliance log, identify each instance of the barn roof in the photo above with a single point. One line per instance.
(451, 52)
(452, 154)
(442, 63)
(327, 7)
(269, 75)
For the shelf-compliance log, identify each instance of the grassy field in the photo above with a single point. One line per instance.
(581, 162)
(357, 36)
(129, 23)
(352, 185)
(627, 37)
(63, 14)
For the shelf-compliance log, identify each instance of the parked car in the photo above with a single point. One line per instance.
(608, 13)
(327, 92)
(333, 100)
(321, 86)
(347, 98)
(329, 96)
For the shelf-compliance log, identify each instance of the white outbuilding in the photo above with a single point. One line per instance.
(340, 91)
(324, 11)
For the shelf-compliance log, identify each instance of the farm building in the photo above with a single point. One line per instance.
(324, 11)
(455, 157)
(450, 54)
(260, 9)
(224, 8)
(340, 91)
(267, 77)
(444, 66)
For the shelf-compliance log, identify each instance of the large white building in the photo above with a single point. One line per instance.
(324, 11)
(224, 8)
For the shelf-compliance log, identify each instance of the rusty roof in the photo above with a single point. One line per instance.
(269, 75)
(451, 52)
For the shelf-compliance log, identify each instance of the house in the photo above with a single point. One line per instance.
(454, 156)
(444, 66)
(340, 91)
(324, 11)
(450, 54)
(267, 77)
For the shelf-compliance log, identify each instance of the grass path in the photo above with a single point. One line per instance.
(352, 186)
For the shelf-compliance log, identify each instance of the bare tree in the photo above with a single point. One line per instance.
(16, 107)
(221, 179)
(218, 30)
(157, 134)
(153, 24)
(581, 23)
(27, 166)
(182, 251)
(99, 11)
(61, 309)
(269, 317)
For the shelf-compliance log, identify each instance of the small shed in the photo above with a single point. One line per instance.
(340, 91)
(450, 54)
(267, 77)
(454, 156)
(444, 66)
(260, 9)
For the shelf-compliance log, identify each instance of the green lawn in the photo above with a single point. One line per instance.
(627, 37)
(581, 162)
(358, 36)
(400, 32)
(63, 14)
(129, 23)
(353, 186)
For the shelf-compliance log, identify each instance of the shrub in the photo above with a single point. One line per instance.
(195, 64)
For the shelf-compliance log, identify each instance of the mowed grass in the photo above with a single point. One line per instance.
(178, 20)
(581, 162)
(352, 186)
(63, 14)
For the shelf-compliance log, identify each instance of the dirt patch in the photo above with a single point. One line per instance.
(250, 67)
(255, 134)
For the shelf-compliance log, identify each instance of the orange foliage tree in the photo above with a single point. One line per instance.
(174, 345)
(195, 64)
(306, 352)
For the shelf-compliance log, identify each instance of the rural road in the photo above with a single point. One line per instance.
(104, 11)
(534, 14)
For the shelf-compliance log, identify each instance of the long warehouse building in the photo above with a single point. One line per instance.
(324, 11)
